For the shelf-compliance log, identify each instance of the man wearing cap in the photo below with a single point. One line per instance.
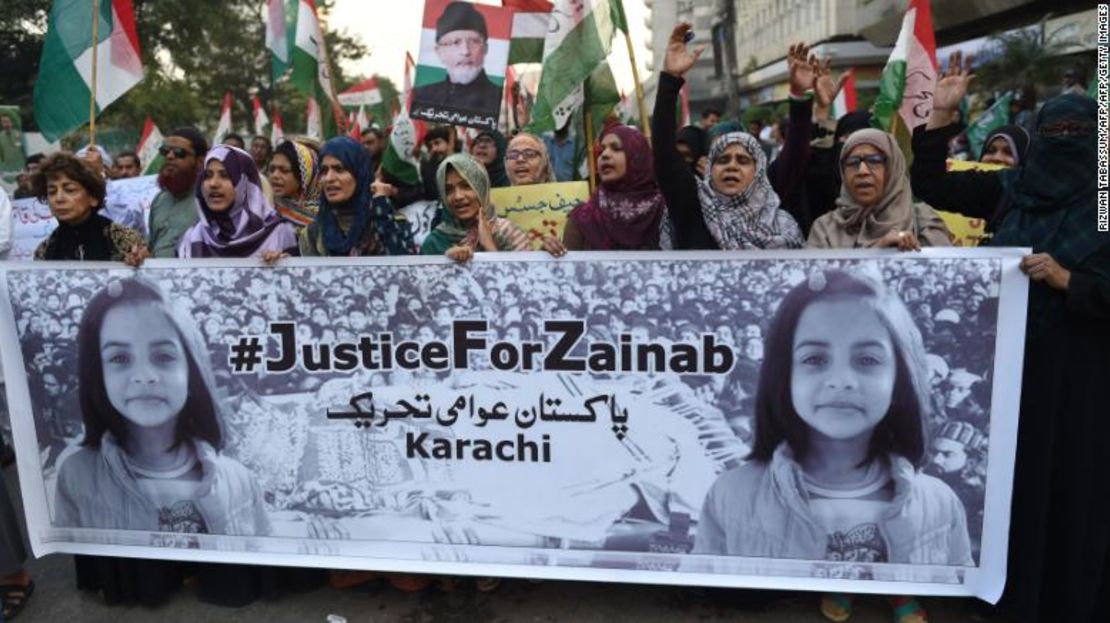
(174, 210)
(461, 45)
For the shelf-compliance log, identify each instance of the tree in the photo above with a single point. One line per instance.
(193, 52)
(1023, 62)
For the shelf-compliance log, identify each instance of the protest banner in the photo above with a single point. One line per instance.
(540, 209)
(521, 416)
(127, 203)
(464, 51)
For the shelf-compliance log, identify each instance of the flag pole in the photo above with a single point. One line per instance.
(336, 108)
(588, 116)
(644, 125)
(92, 87)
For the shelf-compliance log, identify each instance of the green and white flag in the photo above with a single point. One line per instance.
(149, 157)
(63, 88)
(578, 41)
(311, 75)
(531, 22)
(992, 118)
(281, 27)
(906, 88)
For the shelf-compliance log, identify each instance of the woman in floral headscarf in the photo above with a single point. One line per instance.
(235, 218)
(292, 175)
(627, 210)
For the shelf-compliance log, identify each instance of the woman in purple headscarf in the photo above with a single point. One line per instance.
(235, 218)
(627, 210)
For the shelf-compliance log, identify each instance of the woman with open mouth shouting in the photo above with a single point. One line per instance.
(876, 207)
(734, 207)
(353, 219)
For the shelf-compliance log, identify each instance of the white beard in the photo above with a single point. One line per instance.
(463, 74)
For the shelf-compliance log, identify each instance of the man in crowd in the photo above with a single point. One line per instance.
(11, 143)
(373, 139)
(127, 165)
(560, 149)
(23, 180)
(709, 118)
(234, 140)
(174, 210)
(439, 142)
(461, 45)
(261, 150)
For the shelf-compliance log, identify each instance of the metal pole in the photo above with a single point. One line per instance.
(92, 87)
(644, 125)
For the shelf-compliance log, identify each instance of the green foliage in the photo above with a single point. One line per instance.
(193, 52)
(762, 114)
(1023, 63)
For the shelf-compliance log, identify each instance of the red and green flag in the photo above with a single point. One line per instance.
(906, 88)
(64, 86)
(531, 20)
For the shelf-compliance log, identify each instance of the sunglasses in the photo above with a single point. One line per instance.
(873, 161)
(522, 154)
(178, 152)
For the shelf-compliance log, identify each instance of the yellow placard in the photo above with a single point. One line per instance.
(540, 209)
(967, 232)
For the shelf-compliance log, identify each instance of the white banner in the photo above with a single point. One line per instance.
(837, 421)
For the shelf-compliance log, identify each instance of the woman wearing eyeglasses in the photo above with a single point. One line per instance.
(527, 162)
(734, 207)
(489, 149)
(876, 208)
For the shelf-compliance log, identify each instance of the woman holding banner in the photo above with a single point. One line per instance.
(470, 222)
(734, 207)
(1059, 557)
(627, 210)
(353, 220)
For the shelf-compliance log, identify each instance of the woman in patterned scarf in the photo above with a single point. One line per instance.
(734, 207)
(470, 222)
(292, 175)
(627, 210)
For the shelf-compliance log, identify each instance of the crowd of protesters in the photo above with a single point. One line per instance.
(807, 182)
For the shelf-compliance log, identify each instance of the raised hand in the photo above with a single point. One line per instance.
(679, 59)
(803, 67)
(825, 88)
(952, 83)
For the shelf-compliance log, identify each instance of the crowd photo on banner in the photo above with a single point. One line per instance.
(842, 330)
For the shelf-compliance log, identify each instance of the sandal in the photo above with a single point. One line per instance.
(14, 597)
(908, 610)
(836, 607)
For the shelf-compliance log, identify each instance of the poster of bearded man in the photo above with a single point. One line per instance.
(464, 50)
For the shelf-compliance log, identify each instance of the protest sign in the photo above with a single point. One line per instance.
(31, 224)
(464, 51)
(523, 416)
(540, 209)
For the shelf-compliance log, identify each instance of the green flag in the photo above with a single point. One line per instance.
(992, 118)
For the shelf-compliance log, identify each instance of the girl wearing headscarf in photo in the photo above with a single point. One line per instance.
(470, 222)
(876, 207)
(527, 161)
(734, 207)
(489, 148)
(1059, 532)
(292, 175)
(235, 218)
(1008, 145)
(352, 219)
(627, 210)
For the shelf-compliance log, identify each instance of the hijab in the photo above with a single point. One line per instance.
(1053, 198)
(496, 169)
(248, 227)
(547, 172)
(300, 210)
(451, 230)
(695, 138)
(854, 225)
(1015, 136)
(751, 219)
(625, 213)
(356, 160)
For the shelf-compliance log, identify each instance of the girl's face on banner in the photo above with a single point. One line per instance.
(146, 370)
(843, 371)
